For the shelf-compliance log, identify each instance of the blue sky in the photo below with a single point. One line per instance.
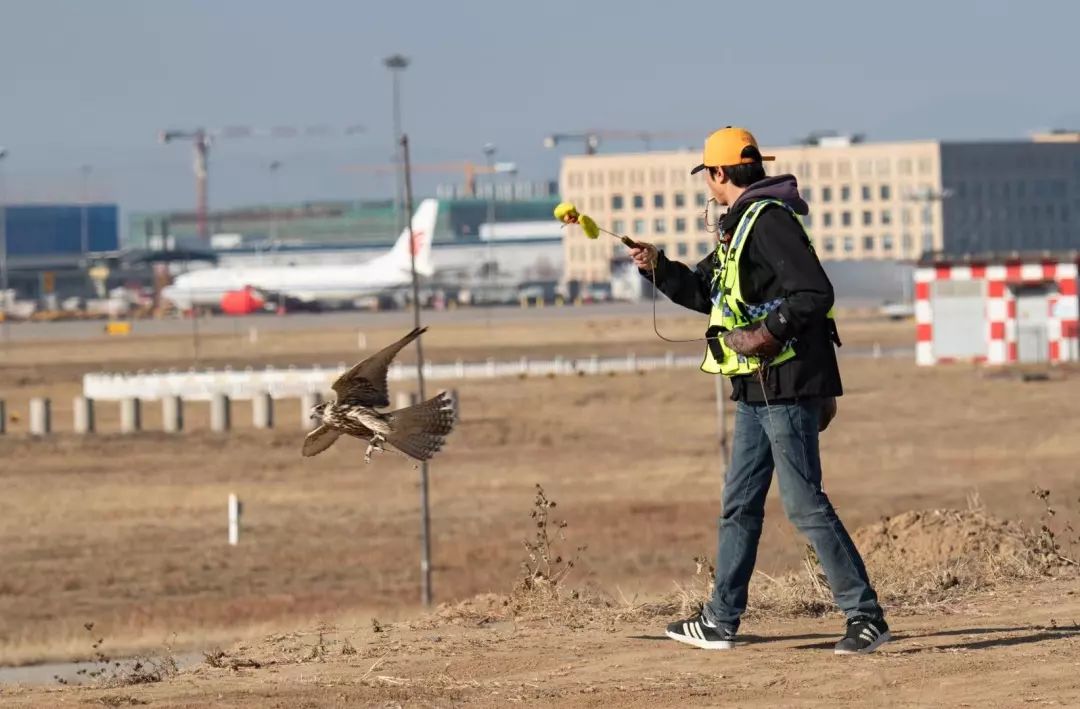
(92, 82)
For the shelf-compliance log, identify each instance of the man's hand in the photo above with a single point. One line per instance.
(754, 340)
(644, 255)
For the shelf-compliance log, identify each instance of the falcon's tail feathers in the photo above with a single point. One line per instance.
(420, 431)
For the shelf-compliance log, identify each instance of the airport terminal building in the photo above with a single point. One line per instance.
(881, 202)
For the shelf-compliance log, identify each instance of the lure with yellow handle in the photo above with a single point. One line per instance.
(567, 213)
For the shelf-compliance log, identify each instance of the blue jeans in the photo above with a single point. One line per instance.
(784, 436)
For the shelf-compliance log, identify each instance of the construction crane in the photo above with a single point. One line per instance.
(201, 139)
(468, 169)
(593, 138)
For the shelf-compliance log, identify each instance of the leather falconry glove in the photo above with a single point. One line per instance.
(754, 340)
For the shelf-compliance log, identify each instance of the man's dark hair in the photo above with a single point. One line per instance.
(745, 174)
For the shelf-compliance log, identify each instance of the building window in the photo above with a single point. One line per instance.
(615, 178)
(826, 194)
(843, 169)
(639, 226)
(682, 248)
(886, 216)
(660, 226)
(849, 244)
(905, 216)
(885, 192)
(866, 193)
(845, 193)
(845, 218)
(925, 166)
(680, 199)
(807, 194)
(701, 224)
(639, 202)
(808, 221)
(658, 200)
(824, 170)
(867, 217)
(927, 216)
(680, 225)
(618, 225)
(829, 244)
(908, 243)
(826, 219)
(886, 242)
(616, 202)
(699, 199)
(865, 167)
(868, 243)
(904, 167)
(883, 167)
(702, 248)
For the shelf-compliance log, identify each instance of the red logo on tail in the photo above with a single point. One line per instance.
(417, 242)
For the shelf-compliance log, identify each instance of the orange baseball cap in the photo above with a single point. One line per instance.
(726, 147)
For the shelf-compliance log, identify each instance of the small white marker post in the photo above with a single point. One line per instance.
(234, 519)
(361, 341)
(253, 335)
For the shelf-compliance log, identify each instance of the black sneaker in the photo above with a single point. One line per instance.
(864, 635)
(697, 632)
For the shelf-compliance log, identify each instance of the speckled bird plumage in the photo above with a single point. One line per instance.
(417, 431)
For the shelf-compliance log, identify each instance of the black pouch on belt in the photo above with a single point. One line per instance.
(713, 338)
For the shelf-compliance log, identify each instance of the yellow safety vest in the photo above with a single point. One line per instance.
(731, 311)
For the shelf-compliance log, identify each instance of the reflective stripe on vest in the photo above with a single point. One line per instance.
(730, 310)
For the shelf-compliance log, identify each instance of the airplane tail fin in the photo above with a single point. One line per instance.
(423, 230)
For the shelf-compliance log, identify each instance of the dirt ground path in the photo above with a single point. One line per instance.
(1014, 647)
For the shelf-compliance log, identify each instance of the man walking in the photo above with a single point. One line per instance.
(771, 331)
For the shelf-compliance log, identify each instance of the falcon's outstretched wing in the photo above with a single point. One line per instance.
(365, 383)
(319, 440)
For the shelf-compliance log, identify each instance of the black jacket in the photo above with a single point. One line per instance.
(777, 263)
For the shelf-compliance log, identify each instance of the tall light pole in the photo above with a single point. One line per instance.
(397, 63)
(489, 267)
(425, 508)
(84, 222)
(3, 249)
(273, 167)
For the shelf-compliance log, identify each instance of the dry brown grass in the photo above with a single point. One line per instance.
(128, 532)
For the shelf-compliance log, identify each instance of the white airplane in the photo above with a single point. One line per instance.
(321, 284)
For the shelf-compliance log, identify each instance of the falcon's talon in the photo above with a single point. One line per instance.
(373, 446)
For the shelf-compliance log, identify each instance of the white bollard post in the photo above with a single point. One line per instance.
(877, 350)
(405, 399)
(253, 335)
(262, 410)
(308, 401)
(361, 341)
(130, 416)
(40, 416)
(83, 415)
(220, 413)
(234, 519)
(669, 360)
(172, 414)
(524, 366)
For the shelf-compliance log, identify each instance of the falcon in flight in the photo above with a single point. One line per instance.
(417, 431)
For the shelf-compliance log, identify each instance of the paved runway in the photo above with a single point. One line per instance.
(89, 329)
